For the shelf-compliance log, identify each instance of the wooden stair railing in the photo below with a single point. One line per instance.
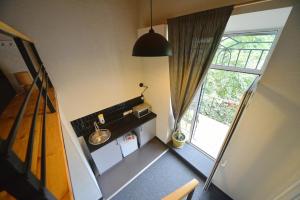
(186, 190)
(24, 174)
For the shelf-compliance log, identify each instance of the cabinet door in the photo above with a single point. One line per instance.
(107, 156)
(146, 132)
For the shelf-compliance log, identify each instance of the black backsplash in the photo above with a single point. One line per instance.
(85, 124)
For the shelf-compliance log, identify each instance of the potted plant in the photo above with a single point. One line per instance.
(178, 139)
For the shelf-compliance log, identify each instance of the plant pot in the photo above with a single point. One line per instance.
(177, 143)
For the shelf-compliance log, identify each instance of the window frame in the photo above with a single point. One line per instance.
(254, 32)
(259, 73)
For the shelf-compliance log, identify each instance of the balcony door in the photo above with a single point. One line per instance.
(239, 60)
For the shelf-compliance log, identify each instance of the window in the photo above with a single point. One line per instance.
(245, 51)
(239, 60)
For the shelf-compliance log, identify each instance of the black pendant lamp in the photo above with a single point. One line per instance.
(151, 44)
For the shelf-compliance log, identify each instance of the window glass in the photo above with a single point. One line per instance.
(247, 51)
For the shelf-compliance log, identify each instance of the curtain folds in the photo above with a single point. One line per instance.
(194, 39)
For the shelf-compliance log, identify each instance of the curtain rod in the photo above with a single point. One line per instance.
(250, 3)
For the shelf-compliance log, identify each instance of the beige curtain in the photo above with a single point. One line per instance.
(194, 39)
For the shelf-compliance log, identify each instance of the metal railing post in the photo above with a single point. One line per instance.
(31, 68)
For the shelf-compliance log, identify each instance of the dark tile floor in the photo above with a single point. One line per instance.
(119, 175)
(194, 157)
(164, 176)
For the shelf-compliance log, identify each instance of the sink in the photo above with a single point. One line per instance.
(99, 136)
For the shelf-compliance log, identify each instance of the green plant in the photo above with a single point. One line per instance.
(178, 135)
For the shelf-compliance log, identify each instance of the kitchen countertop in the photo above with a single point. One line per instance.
(119, 127)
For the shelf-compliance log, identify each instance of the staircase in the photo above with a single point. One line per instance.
(32, 156)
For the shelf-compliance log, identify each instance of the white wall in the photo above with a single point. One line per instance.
(86, 47)
(267, 19)
(162, 10)
(11, 60)
(83, 181)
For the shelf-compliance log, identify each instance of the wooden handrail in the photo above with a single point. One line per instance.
(183, 191)
(10, 31)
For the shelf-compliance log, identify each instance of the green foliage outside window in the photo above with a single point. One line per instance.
(222, 92)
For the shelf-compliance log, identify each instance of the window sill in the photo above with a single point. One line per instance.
(199, 161)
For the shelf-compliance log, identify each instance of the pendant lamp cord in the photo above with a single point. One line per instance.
(151, 14)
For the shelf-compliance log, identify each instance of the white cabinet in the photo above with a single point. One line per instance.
(107, 156)
(128, 143)
(111, 153)
(146, 132)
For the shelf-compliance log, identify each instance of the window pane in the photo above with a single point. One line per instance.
(222, 92)
(253, 59)
(187, 121)
(262, 60)
(219, 101)
(247, 51)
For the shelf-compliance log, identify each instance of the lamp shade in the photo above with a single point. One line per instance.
(151, 44)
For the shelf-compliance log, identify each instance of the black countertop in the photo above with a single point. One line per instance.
(119, 127)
